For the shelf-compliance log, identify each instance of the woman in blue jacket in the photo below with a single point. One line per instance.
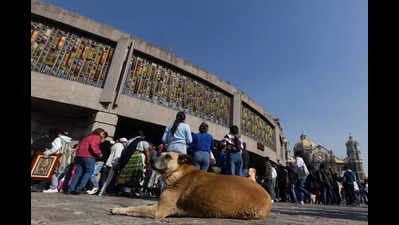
(178, 135)
(202, 146)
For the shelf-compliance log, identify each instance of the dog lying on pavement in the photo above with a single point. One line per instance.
(191, 192)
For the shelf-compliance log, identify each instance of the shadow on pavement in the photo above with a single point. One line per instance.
(330, 213)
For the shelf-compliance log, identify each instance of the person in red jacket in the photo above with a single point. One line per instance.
(85, 159)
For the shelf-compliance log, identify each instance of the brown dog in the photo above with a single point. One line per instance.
(191, 192)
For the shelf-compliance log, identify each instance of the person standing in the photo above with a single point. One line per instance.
(233, 144)
(85, 159)
(112, 161)
(268, 178)
(60, 145)
(349, 179)
(252, 174)
(178, 135)
(202, 146)
(245, 160)
(302, 172)
(273, 187)
(132, 162)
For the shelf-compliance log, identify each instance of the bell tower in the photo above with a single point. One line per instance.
(353, 152)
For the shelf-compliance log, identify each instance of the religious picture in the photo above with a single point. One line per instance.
(43, 166)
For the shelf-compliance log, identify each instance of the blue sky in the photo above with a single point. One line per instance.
(304, 61)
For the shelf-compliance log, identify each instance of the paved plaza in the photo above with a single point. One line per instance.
(60, 209)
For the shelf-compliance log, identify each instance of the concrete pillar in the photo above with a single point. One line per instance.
(115, 71)
(104, 120)
(237, 110)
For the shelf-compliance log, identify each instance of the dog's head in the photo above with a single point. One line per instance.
(168, 162)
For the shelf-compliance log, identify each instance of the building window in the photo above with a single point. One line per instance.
(255, 126)
(160, 83)
(67, 53)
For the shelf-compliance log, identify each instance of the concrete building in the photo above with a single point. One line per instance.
(85, 75)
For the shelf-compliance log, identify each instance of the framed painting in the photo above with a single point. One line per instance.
(44, 166)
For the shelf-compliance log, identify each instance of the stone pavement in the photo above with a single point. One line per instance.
(60, 209)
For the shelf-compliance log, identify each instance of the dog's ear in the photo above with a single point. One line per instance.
(185, 159)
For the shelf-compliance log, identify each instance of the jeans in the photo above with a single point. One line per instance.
(201, 160)
(110, 176)
(178, 148)
(235, 161)
(84, 170)
(55, 179)
(245, 172)
(292, 192)
(273, 189)
(300, 188)
(97, 168)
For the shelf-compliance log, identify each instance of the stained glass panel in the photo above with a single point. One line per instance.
(69, 55)
(166, 86)
(256, 127)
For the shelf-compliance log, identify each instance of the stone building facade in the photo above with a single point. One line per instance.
(85, 75)
(315, 154)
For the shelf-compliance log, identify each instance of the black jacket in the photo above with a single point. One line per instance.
(127, 153)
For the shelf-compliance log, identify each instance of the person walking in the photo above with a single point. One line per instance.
(110, 164)
(293, 180)
(202, 146)
(302, 172)
(233, 144)
(85, 159)
(104, 145)
(178, 135)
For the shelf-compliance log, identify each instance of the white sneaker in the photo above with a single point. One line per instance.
(50, 191)
(92, 191)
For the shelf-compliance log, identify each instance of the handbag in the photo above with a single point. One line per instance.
(212, 159)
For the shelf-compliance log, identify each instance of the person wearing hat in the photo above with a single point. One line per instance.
(116, 151)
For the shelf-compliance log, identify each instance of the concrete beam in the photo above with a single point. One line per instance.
(115, 70)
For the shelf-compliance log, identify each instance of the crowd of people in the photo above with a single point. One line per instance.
(297, 183)
(98, 165)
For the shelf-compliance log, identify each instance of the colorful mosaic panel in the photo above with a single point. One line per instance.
(69, 55)
(254, 126)
(165, 86)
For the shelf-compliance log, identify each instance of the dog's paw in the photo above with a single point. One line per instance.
(118, 211)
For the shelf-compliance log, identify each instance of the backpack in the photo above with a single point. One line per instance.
(349, 177)
(66, 157)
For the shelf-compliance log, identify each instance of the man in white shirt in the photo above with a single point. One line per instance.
(302, 172)
(116, 151)
(274, 178)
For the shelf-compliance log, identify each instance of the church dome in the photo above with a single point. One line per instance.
(305, 143)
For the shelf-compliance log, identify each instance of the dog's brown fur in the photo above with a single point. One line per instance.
(195, 193)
